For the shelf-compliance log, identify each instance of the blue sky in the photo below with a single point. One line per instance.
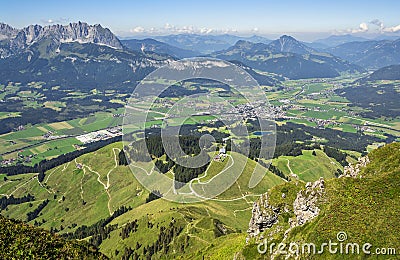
(305, 19)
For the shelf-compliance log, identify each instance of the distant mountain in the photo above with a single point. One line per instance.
(151, 45)
(386, 73)
(206, 43)
(387, 37)
(7, 32)
(14, 40)
(336, 40)
(288, 57)
(369, 54)
(316, 45)
(79, 66)
(77, 55)
(289, 44)
(256, 39)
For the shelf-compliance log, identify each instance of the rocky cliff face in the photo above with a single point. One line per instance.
(353, 171)
(263, 216)
(7, 31)
(304, 209)
(17, 40)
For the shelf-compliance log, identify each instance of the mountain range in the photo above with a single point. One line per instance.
(76, 55)
(151, 45)
(14, 40)
(335, 40)
(369, 54)
(288, 57)
(207, 44)
(93, 56)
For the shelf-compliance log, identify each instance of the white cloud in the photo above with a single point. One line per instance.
(362, 28)
(138, 29)
(392, 29)
(382, 28)
(378, 23)
(206, 30)
(172, 29)
(60, 20)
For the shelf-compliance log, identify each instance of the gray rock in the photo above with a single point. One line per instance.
(14, 40)
(262, 218)
(353, 171)
(305, 205)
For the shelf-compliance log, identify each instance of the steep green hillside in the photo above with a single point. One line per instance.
(95, 199)
(365, 208)
(21, 241)
(80, 192)
(308, 167)
(93, 187)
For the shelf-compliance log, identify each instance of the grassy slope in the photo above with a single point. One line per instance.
(77, 185)
(366, 209)
(233, 207)
(307, 166)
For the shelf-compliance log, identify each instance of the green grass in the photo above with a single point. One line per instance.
(65, 180)
(21, 241)
(365, 208)
(198, 220)
(307, 166)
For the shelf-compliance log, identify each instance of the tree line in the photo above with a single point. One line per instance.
(33, 214)
(11, 200)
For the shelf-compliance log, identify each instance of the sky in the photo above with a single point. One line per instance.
(305, 19)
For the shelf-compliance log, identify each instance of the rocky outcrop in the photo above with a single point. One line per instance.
(7, 32)
(263, 216)
(305, 206)
(353, 171)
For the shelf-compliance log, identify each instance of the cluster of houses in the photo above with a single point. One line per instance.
(20, 158)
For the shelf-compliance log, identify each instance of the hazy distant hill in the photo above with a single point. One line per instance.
(151, 45)
(369, 54)
(386, 73)
(260, 78)
(288, 57)
(335, 40)
(207, 43)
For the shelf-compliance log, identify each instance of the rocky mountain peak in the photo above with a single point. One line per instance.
(73, 32)
(7, 31)
(287, 43)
